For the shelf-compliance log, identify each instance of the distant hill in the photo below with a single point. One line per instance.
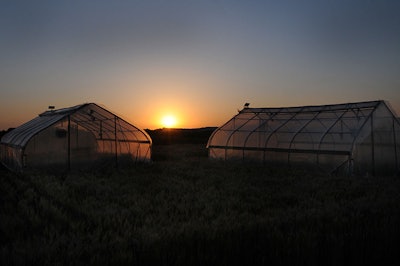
(165, 136)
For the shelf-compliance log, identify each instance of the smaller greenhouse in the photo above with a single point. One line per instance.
(74, 138)
(354, 138)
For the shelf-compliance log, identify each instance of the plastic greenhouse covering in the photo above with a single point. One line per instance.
(74, 138)
(354, 138)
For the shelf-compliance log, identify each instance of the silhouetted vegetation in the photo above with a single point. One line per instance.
(167, 136)
(184, 209)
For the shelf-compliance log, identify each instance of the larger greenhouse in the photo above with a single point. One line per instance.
(74, 138)
(360, 138)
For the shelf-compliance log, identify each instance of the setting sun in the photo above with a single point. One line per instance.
(168, 121)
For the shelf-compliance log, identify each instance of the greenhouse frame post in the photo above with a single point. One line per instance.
(350, 165)
(116, 141)
(395, 146)
(372, 145)
(69, 144)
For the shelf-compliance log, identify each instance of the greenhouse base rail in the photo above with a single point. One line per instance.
(281, 150)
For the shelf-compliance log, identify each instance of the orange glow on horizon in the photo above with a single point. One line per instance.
(175, 97)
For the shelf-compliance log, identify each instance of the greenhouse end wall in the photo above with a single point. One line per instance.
(56, 148)
(355, 138)
(11, 157)
(377, 148)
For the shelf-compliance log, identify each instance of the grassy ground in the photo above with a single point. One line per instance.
(186, 210)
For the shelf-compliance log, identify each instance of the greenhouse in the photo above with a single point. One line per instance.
(74, 138)
(360, 138)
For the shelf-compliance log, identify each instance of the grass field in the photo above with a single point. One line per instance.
(184, 209)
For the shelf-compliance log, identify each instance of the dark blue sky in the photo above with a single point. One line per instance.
(197, 60)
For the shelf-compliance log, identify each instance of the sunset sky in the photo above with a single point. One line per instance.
(195, 61)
